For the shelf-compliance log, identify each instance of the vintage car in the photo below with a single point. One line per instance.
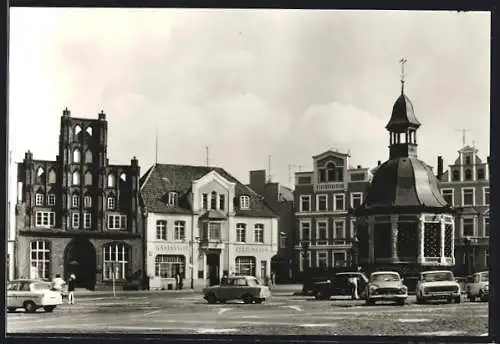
(386, 286)
(338, 285)
(32, 295)
(437, 285)
(246, 288)
(478, 286)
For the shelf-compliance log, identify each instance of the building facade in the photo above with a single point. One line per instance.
(202, 222)
(325, 198)
(281, 200)
(465, 186)
(79, 214)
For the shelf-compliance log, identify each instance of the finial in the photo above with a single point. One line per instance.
(403, 61)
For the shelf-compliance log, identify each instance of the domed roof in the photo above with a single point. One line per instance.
(405, 183)
(403, 115)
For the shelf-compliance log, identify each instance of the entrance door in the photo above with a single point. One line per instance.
(80, 259)
(213, 266)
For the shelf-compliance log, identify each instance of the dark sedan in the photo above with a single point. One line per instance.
(338, 285)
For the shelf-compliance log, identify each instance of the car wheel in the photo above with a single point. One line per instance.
(49, 308)
(11, 309)
(30, 307)
(211, 298)
(247, 298)
(458, 299)
(319, 295)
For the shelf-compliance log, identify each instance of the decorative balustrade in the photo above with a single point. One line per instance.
(334, 186)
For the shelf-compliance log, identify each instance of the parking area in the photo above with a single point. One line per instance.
(283, 314)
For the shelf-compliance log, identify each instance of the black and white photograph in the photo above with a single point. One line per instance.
(248, 172)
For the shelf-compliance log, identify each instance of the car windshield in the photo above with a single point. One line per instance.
(252, 282)
(438, 276)
(485, 277)
(385, 277)
(41, 286)
(12, 286)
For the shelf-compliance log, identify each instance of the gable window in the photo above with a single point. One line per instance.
(75, 220)
(448, 195)
(322, 232)
(76, 178)
(51, 199)
(40, 259)
(87, 201)
(480, 174)
(39, 199)
(339, 202)
(468, 174)
(161, 230)
(259, 233)
(486, 195)
(322, 202)
(204, 201)
(87, 220)
(222, 202)
(88, 178)
(213, 200)
(468, 226)
(486, 226)
(241, 235)
(45, 219)
(75, 201)
(172, 199)
(115, 261)
(467, 196)
(111, 181)
(339, 230)
(52, 177)
(117, 221)
(456, 175)
(111, 203)
(179, 230)
(305, 203)
(356, 199)
(244, 202)
(88, 156)
(305, 230)
(76, 155)
(467, 160)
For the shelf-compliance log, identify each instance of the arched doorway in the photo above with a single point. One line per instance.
(80, 259)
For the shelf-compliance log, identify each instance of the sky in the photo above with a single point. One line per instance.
(248, 84)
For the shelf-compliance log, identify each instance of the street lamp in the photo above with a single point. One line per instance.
(305, 250)
(196, 239)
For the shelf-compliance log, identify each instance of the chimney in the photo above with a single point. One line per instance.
(440, 168)
(258, 180)
(379, 162)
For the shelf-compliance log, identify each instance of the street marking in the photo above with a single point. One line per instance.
(153, 312)
(318, 325)
(216, 330)
(413, 320)
(297, 308)
(223, 310)
(443, 333)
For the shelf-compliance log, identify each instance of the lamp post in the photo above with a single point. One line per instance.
(196, 239)
(305, 250)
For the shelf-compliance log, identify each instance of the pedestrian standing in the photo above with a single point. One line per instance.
(71, 289)
(57, 283)
(177, 279)
(353, 282)
(181, 279)
(273, 278)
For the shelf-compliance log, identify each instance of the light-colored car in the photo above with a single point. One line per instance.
(438, 285)
(246, 288)
(386, 286)
(32, 295)
(478, 286)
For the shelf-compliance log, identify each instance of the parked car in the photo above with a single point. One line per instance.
(338, 285)
(386, 286)
(32, 295)
(437, 285)
(246, 288)
(478, 286)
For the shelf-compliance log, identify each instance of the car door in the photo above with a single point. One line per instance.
(12, 293)
(238, 289)
(224, 290)
(24, 293)
(338, 285)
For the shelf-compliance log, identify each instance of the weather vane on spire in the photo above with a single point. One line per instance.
(403, 61)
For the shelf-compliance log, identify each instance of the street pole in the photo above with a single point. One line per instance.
(113, 273)
(192, 260)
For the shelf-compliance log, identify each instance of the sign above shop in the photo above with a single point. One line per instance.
(172, 247)
(252, 249)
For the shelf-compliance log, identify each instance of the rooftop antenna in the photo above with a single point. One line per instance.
(206, 155)
(156, 146)
(464, 136)
(269, 175)
(403, 61)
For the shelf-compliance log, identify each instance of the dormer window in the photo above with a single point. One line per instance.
(467, 160)
(172, 199)
(468, 174)
(456, 176)
(244, 202)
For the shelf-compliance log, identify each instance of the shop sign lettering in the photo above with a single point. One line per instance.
(171, 247)
(252, 249)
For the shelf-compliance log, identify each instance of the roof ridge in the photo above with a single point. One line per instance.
(148, 174)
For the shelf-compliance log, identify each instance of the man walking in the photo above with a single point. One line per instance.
(71, 289)
(353, 281)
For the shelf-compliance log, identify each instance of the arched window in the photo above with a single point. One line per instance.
(213, 200)
(40, 259)
(52, 177)
(111, 180)
(115, 260)
(456, 175)
(76, 178)
(76, 155)
(331, 172)
(77, 130)
(123, 177)
(88, 156)
(480, 174)
(40, 175)
(88, 178)
(245, 266)
(468, 174)
(89, 130)
(167, 266)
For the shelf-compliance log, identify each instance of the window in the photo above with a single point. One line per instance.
(75, 201)
(245, 266)
(339, 259)
(241, 235)
(77, 130)
(330, 172)
(117, 221)
(467, 160)
(204, 201)
(480, 174)
(40, 259)
(283, 241)
(222, 202)
(88, 156)
(75, 178)
(87, 201)
(179, 230)
(39, 199)
(467, 196)
(111, 202)
(259, 233)
(213, 200)
(52, 177)
(111, 181)
(172, 198)
(123, 177)
(305, 230)
(322, 202)
(51, 199)
(456, 176)
(88, 178)
(305, 203)
(40, 176)
(211, 231)
(89, 131)
(448, 196)
(167, 266)
(322, 175)
(87, 220)
(115, 261)
(486, 226)
(339, 202)
(356, 199)
(322, 232)
(468, 174)
(76, 155)
(468, 226)
(339, 230)
(322, 259)
(304, 261)
(244, 202)
(45, 219)
(486, 195)
(161, 230)
(75, 220)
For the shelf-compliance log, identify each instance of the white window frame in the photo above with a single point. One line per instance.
(353, 194)
(111, 260)
(42, 266)
(204, 201)
(87, 201)
(180, 230)
(301, 260)
(473, 196)
(75, 220)
(338, 252)
(49, 216)
(485, 217)
(250, 263)
(474, 225)
(75, 201)
(172, 199)
(161, 229)
(111, 203)
(301, 208)
(301, 233)
(51, 199)
(452, 195)
(335, 229)
(353, 228)
(258, 231)
(39, 199)
(241, 232)
(327, 262)
(167, 265)
(484, 195)
(244, 202)
(318, 222)
(342, 195)
(122, 222)
(325, 196)
(87, 220)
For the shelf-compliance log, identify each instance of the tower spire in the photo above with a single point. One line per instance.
(403, 61)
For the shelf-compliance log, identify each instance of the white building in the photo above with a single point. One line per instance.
(202, 222)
